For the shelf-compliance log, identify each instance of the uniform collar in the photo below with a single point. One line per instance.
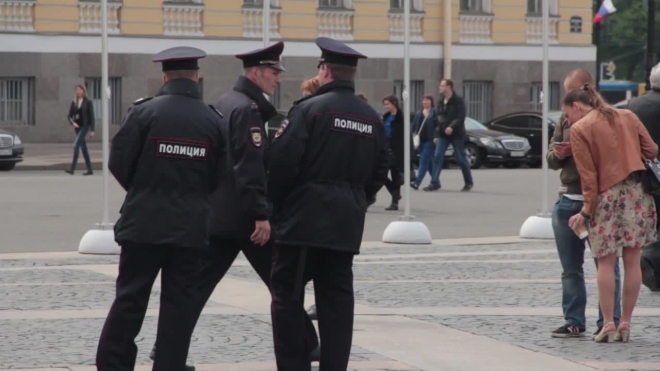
(183, 86)
(254, 92)
(337, 84)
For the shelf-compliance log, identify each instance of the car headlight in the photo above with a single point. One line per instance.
(17, 140)
(527, 145)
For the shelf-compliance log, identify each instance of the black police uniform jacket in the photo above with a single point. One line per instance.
(241, 196)
(168, 155)
(326, 160)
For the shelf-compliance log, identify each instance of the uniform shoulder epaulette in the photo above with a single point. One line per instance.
(254, 106)
(142, 100)
(216, 111)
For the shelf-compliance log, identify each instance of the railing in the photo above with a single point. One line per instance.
(253, 23)
(534, 30)
(337, 24)
(90, 18)
(16, 15)
(182, 19)
(397, 27)
(475, 29)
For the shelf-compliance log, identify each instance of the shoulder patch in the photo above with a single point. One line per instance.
(283, 127)
(216, 111)
(255, 136)
(142, 100)
(254, 106)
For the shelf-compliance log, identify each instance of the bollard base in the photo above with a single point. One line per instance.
(537, 227)
(99, 241)
(407, 232)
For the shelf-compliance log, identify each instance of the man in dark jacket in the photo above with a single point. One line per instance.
(168, 156)
(451, 130)
(647, 109)
(326, 162)
(239, 209)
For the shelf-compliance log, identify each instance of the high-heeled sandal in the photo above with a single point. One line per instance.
(622, 335)
(606, 337)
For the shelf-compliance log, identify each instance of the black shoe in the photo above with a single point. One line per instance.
(568, 331)
(311, 312)
(392, 207)
(467, 188)
(152, 356)
(431, 188)
(69, 171)
(315, 355)
(89, 173)
(414, 185)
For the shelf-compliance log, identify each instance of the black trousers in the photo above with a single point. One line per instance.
(332, 272)
(138, 268)
(217, 261)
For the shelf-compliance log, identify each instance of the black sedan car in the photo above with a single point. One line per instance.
(528, 125)
(11, 150)
(490, 147)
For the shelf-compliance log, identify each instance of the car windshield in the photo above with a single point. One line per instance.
(472, 124)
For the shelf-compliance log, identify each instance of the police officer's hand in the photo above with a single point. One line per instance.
(261, 233)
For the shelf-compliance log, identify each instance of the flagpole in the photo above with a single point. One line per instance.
(102, 240)
(406, 230)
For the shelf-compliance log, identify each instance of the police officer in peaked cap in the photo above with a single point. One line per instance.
(240, 212)
(325, 163)
(168, 156)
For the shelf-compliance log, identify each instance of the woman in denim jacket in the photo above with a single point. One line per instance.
(427, 120)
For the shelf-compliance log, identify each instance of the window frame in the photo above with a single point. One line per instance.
(26, 102)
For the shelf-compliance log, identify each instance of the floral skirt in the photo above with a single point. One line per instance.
(625, 217)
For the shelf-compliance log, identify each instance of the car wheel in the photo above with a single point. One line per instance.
(474, 156)
(7, 166)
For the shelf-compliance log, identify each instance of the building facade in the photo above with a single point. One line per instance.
(49, 46)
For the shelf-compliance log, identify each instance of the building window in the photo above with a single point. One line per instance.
(260, 3)
(475, 6)
(416, 5)
(535, 102)
(334, 4)
(478, 97)
(93, 86)
(535, 7)
(416, 94)
(16, 101)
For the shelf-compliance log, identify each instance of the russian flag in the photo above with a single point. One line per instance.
(606, 8)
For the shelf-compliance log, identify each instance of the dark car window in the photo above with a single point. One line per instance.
(514, 122)
(535, 122)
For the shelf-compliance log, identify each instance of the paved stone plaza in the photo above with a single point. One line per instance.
(465, 304)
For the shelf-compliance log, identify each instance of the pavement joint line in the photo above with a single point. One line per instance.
(88, 283)
(457, 253)
(637, 366)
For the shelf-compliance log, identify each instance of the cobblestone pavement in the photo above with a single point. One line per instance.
(52, 308)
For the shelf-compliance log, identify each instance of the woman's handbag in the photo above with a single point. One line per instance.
(651, 178)
(416, 139)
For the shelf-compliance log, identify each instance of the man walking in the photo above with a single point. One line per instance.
(569, 246)
(326, 163)
(168, 156)
(451, 130)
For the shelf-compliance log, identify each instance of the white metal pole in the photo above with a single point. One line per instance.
(406, 108)
(266, 36)
(448, 42)
(104, 111)
(546, 99)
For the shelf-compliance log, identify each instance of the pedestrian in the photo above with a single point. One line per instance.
(81, 117)
(325, 163)
(168, 156)
(647, 109)
(393, 120)
(608, 146)
(451, 130)
(239, 208)
(424, 125)
(570, 247)
(310, 86)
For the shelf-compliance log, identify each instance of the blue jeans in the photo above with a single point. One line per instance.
(571, 254)
(81, 144)
(459, 155)
(426, 153)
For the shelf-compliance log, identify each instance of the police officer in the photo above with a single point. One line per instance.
(326, 162)
(168, 156)
(240, 211)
